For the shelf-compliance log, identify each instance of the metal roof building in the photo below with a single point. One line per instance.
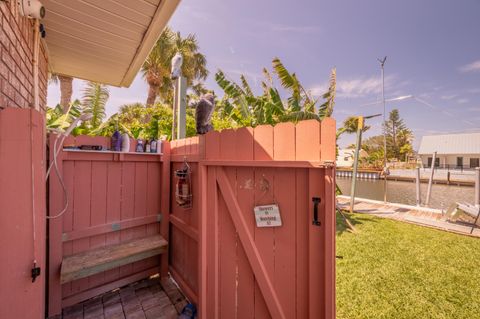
(453, 150)
(449, 144)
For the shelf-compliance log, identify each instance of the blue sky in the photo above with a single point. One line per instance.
(433, 51)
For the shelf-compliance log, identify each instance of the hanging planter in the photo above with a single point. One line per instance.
(183, 186)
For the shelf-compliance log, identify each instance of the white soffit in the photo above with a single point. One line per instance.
(103, 41)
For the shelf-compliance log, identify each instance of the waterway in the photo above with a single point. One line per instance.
(404, 192)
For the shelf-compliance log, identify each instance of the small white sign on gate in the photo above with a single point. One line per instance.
(268, 216)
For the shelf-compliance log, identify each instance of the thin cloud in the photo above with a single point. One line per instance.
(294, 28)
(448, 97)
(472, 67)
(463, 101)
(474, 109)
(354, 88)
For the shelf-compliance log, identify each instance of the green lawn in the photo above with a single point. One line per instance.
(397, 270)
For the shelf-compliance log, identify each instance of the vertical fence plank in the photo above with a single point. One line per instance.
(284, 147)
(263, 145)
(127, 206)
(55, 236)
(316, 251)
(165, 206)
(245, 197)
(67, 218)
(212, 245)
(113, 199)
(329, 240)
(98, 212)
(328, 138)
(285, 248)
(301, 238)
(212, 145)
(264, 180)
(307, 144)
(81, 213)
(227, 234)
(153, 194)
(140, 207)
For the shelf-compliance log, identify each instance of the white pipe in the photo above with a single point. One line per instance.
(36, 49)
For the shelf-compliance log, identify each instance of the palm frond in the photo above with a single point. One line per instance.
(95, 97)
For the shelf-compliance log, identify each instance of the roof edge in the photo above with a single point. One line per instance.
(164, 12)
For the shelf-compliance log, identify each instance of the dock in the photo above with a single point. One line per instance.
(442, 178)
(423, 216)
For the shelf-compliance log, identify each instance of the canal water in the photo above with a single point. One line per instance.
(404, 192)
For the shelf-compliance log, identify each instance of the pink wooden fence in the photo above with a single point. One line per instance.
(106, 192)
(22, 213)
(218, 255)
(184, 230)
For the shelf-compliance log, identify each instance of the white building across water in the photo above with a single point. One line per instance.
(455, 151)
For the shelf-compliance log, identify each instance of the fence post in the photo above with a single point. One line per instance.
(477, 187)
(430, 181)
(417, 180)
(165, 205)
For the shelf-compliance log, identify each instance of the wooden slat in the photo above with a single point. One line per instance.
(264, 237)
(110, 227)
(254, 256)
(92, 262)
(267, 163)
(316, 261)
(284, 187)
(245, 193)
(184, 227)
(108, 156)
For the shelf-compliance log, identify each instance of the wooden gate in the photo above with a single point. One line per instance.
(218, 254)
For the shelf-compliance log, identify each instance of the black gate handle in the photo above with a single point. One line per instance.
(316, 201)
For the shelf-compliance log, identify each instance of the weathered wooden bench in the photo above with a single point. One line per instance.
(94, 261)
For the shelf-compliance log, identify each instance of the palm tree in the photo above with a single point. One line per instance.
(95, 97)
(66, 89)
(156, 68)
(350, 126)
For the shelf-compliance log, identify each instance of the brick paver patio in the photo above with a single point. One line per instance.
(147, 299)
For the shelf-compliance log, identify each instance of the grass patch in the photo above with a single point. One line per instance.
(397, 270)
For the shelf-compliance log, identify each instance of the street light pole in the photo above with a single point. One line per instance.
(382, 64)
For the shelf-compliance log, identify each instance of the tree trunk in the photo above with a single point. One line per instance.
(66, 91)
(152, 94)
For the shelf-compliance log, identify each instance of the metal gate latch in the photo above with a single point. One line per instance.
(316, 201)
(35, 272)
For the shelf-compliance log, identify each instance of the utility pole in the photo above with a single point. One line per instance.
(360, 126)
(382, 65)
(355, 161)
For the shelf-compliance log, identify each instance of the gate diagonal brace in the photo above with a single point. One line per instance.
(253, 255)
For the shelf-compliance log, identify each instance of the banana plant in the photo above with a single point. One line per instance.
(247, 109)
(57, 120)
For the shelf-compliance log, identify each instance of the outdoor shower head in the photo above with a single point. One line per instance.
(83, 117)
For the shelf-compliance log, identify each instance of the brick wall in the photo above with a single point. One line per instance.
(16, 66)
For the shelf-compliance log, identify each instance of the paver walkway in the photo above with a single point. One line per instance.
(418, 215)
(147, 299)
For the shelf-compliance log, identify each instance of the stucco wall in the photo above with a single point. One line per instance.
(16, 53)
